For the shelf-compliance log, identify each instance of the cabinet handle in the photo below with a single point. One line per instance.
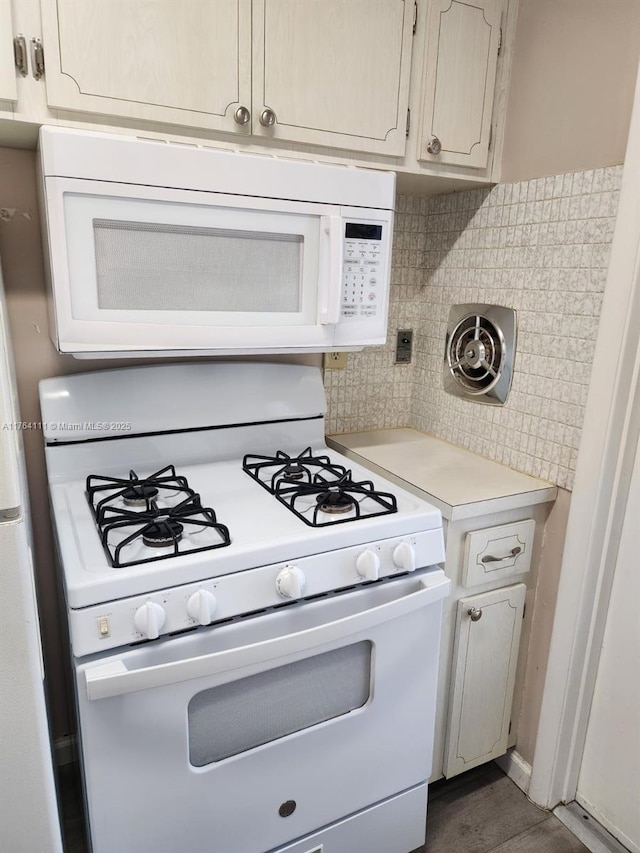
(434, 146)
(512, 553)
(475, 613)
(242, 116)
(37, 58)
(267, 117)
(20, 54)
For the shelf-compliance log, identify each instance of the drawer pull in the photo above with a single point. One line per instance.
(512, 553)
(475, 613)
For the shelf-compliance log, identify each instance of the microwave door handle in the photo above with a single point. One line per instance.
(331, 270)
(114, 679)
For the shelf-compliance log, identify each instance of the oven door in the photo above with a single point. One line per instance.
(244, 736)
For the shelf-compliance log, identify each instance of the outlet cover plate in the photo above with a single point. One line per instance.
(335, 360)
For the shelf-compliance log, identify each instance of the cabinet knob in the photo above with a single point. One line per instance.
(434, 146)
(242, 116)
(267, 117)
(475, 613)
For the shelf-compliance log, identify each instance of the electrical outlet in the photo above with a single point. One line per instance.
(335, 360)
(404, 344)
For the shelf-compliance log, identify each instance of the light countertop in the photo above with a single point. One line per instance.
(460, 483)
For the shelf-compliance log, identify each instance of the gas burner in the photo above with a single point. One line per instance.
(137, 518)
(162, 533)
(293, 471)
(165, 487)
(335, 502)
(139, 495)
(269, 471)
(342, 497)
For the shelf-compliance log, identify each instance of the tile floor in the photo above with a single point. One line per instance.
(481, 811)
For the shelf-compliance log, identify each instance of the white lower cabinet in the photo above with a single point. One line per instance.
(485, 657)
(493, 524)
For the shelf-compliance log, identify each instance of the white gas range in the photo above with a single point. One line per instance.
(251, 615)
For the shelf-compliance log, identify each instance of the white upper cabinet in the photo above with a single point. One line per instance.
(333, 72)
(183, 63)
(463, 41)
(324, 72)
(8, 90)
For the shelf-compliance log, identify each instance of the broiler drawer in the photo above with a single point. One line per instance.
(495, 553)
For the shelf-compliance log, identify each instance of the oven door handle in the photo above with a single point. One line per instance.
(114, 679)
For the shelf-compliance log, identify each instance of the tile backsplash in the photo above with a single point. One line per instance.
(541, 247)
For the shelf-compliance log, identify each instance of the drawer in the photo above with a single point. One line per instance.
(498, 552)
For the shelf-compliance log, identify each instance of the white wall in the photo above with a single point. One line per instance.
(572, 82)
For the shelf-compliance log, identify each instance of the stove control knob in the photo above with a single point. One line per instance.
(149, 619)
(201, 606)
(404, 557)
(368, 565)
(290, 582)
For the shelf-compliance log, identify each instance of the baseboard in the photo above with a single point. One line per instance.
(64, 750)
(587, 830)
(516, 768)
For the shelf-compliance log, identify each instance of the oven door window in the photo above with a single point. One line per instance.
(241, 715)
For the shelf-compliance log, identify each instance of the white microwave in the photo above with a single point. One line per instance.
(160, 248)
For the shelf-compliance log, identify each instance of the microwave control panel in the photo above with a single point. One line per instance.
(361, 276)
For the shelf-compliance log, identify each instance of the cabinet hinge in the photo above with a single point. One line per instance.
(37, 58)
(524, 610)
(415, 16)
(20, 54)
(509, 732)
(408, 127)
(490, 136)
(500, 41)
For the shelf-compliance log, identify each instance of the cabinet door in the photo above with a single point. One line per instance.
(7, 70)
(162, 60)
(333, 72)
(484, 668)
(460, 73)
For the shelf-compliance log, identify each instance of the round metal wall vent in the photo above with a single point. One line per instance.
(479, 353)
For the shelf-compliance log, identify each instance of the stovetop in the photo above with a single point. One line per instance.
(157, 516)
(255, 527)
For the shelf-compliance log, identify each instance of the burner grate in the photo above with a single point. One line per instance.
(345, 498)
(320, 492)
(269, 471)
(164, 484)
(160, 512)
